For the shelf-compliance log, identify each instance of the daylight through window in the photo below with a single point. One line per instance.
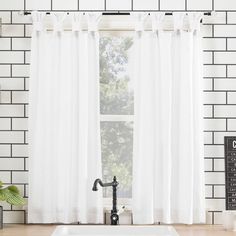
(116, 96)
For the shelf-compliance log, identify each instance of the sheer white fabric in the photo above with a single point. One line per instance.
(64, 121)
(168, 171)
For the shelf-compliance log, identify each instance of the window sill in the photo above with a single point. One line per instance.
(107, 208)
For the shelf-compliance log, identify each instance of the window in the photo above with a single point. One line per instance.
(116, 97)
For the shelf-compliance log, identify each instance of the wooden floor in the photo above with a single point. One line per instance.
(46, 230)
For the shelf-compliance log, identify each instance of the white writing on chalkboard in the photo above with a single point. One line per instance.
(234, 144)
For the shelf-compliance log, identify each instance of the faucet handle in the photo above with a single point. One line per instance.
(115, 183)
(121, 210)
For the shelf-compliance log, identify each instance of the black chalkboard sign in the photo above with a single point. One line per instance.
(230, 172)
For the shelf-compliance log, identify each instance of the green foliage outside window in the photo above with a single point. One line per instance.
(116, 98)
(115, 94)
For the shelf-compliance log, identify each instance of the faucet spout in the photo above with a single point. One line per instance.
(99, 181)
(95, 184)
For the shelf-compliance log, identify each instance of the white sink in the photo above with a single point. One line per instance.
(104, 230)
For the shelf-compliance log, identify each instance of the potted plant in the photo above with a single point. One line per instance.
(11, 195)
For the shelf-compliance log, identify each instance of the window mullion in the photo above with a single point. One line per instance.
(116, 118)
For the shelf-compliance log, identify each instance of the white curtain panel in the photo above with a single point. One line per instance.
(65, 152)
(168, 164)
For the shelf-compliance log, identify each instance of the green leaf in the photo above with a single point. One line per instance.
(2, 195)
(13, 189)
(14, 198)
(11, 195)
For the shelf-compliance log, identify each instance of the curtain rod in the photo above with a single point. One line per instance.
(119, 13)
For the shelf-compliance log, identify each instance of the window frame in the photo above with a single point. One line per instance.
(107, 201)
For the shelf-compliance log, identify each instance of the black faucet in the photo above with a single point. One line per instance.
(114, 216)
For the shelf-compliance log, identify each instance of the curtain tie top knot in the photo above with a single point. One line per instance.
(140, 19)
(194, 21)
(157, 21)
(38, 18)
(93, 21)
(76, 21)
(178, 18)
(58, 20)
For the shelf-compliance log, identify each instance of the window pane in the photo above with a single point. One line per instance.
(117, 149)
(116, 93)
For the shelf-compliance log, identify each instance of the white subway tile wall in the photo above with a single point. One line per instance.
(231, 44)
(5, 15)
(12, 5)
(199, 5)
(219, 46)
(172, 5)
(225, 5)
(118, 5)
(64, 5)
(149, 5)
(224, 30)
(92, 5)
(38, 5)
(232, 124)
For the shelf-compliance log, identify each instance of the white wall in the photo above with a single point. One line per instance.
(220, 86)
